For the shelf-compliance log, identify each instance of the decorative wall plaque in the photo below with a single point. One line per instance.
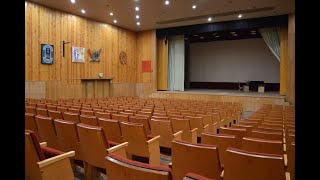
(46, 54)
(123, 57)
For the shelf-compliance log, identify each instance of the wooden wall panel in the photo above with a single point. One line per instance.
(162, 64)
(249, 103)
(45, 25)
(283, 60)
(291, 60)
(146, 48)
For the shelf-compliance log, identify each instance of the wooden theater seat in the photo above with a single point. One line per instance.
(42, 112)
(87, 112)
(47, 131)
(267, 135)
(142, 120)
(238, 132)
(120, 117)
(95, 147)
(196, 158)
(30, 123)
(247, 127)
(90, 120)
(244, 165)
(103, 115)
(291, 160)
(164, 129)
(55, 114)
(197, 122)
(68, 137)
(183, 125)
(44, 163)
(222, 141)
(262, 145)
(139, 143)
(68, 116)
(111, 129)
(120, 168)
(31, 109)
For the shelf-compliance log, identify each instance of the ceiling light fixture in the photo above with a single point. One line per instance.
(217, 36)
(115, 21)
(195, 35)
(209, 19)
(73, 1)
(137, 16)
(83, 11)
(137, 8)
(201, 37)
(138, 23)
(167, 2)
(240, 16)
(194, 6)
(111, 14)
(234, 34)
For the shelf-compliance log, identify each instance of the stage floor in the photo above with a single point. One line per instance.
(224, 92)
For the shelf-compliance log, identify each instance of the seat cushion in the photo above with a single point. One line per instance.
(49, 152)
(36, 145)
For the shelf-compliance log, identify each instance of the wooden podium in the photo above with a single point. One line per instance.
(96, 87)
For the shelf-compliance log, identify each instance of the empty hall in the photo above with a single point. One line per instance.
(159, 90)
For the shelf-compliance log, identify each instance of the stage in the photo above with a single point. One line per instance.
(251, 101)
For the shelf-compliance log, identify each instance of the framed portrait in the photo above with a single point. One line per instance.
(47, 52)
(78, 54)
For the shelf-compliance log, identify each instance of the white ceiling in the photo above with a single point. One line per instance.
(154, 14)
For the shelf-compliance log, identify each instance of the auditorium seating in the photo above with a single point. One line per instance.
(196, 158)
(192, 176)
(262, 145)
(141, 120)
(87, 119)
(139, 143)
(238, 132)
(111, 129)
(30, 123)
(74, 117)
(55, 114)
(183, 125)
(47, 131)
(45, 163)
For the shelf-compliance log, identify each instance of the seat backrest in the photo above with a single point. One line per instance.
(62, 109)
(68, 136)
(164, 129)
(120, 168)
(262, 145)
(192, 176)
(51, 107)
(196, 122)
(47, 131)
(111, 129)
(135, 135)
(184, 126)
(248, 123)
(120, 117)
(30, 123)
(248, 128)
(86, 112)
(267, 135)
(90, 120)
(42, 112)
(240, 164)
(238, 132)
(68, 116)
(267, 129)
(291, 159)
(222, 141)
(31, 109)
(55, 114)
(93, 144)
(196, 158)
(103, 115)
(271, 125)
(33, 154)
(142, 120)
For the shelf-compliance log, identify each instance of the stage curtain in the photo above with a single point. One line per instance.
(176, 63)
(272, 38)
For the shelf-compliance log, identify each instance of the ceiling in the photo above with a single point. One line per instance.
(224, 35)
(154, 14)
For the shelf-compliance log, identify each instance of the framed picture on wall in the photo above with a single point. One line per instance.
(78, 54)
(47, 52)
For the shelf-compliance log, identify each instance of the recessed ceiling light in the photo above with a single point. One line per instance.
(194, 6)
(201, 37)
(209, 19)
(111, 14)
(214, 33)
(232, 32)
(240, 16)
(217, 36)
(73, 1)
(167, 2)
(115, 21)
(137, 16)
(25, 3)
(253, 31)
(138, 23)
(195, 35)
(83, 11)
(137, 8)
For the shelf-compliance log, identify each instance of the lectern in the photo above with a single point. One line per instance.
(96, 87)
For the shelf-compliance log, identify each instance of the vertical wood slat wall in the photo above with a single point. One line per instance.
(162, 64)
(283, 60)
(47, 26)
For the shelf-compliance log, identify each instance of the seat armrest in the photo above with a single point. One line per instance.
(194, 130)
(285, 159)
(177, 135)
(170, 165)
(287, 175)
(194, 135)
(43, 144)
(155, 139)
(222, 173)
(54, 159)
(119, 149)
